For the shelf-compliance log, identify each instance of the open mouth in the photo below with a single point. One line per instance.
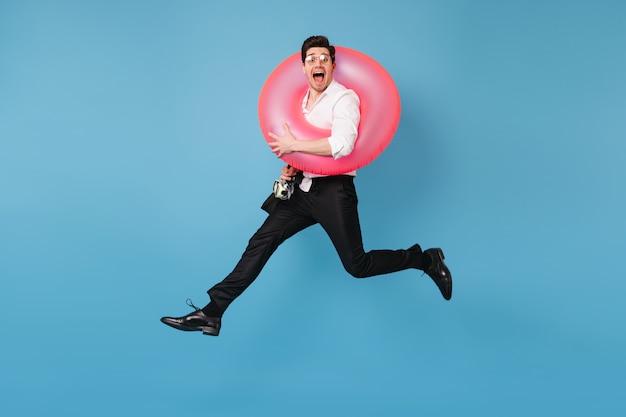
(318, 76)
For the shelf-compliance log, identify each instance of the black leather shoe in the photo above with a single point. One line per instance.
(196, 321)
(439, 272)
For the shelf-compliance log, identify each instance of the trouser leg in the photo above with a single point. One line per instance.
(339, 217)
(285, 221)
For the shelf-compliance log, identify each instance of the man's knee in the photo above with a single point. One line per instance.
(357, 264)
(357, 270)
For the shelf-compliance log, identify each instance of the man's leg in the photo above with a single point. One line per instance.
(336, 211)
(285, 221)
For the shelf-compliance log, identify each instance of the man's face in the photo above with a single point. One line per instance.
(318, 68)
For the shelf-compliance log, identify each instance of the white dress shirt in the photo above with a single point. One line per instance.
(337, 110)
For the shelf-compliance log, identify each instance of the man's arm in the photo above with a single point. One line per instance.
(288, 143)
(346, 117)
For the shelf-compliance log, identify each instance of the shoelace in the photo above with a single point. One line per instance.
(190, 304)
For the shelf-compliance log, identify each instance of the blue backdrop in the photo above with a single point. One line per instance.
(132, 169)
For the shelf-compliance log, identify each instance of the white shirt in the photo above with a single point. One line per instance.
(337, 109)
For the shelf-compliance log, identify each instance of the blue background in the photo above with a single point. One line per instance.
(132, 169)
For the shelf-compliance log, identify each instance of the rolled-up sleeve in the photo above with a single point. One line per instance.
(345, 125)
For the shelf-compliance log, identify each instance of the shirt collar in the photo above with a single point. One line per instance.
(332, 85)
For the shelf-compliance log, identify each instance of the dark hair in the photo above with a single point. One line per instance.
(318, 42)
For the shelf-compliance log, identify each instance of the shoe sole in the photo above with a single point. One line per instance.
(447, 296)
(208, 331)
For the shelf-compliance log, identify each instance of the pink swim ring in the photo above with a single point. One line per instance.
(281, 101)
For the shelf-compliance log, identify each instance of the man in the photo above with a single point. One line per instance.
(330, 201)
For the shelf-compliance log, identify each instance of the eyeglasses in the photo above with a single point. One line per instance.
(312, 59)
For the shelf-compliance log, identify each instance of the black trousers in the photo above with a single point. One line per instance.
(331, 202)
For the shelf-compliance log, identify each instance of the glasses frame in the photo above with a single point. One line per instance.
(312, 59)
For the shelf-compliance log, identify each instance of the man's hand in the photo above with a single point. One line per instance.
(288, 173)
(283, 144)
(288, 143)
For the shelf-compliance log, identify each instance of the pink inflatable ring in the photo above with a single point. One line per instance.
(281, 101)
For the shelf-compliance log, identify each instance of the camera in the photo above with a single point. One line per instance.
(283, 189)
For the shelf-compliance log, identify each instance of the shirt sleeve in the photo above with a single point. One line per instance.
(345, 125)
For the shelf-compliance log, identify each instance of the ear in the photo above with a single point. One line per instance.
(303, 70)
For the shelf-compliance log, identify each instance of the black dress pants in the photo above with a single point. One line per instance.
(331, 202)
